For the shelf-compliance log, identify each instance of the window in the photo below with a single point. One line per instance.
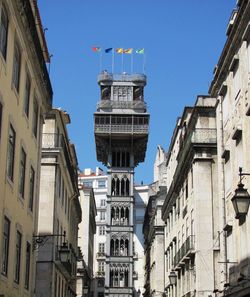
(102, 230)
(1, 113)
(100, 283)
(59, 178)
(16, 67)
(101, 266)
(6, 241)
(27, 266)
(26, 100)
(11, 152)
(18, 256)
(88, 184)
(101, 248)
(4, 22)
(22, 173)
(103, 202)
(102, 215)
(32, 187)
(101, 184)
(35, 118)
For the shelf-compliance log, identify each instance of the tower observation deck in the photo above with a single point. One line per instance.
(121, 135)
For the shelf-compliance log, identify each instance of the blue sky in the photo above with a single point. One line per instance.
(182, 40)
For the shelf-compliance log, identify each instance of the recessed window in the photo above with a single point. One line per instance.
(101, 248)
(32, 187)
(5, 245)
(103, 203)
(16, 67)
(101, 266)
(11, 152)
(22, 170)
(18, 256)
(102, 215)
(88, 184)
(26, 99)
(102, 230)
(4, 22)
(35, 118)
(27, 266)
(101, 184)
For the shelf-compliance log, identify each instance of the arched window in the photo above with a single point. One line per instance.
(122, 187)
(4, 23)
(113, 188)
(117, 191)
(127, 187)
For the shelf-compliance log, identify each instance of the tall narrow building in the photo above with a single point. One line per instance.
(121, 134)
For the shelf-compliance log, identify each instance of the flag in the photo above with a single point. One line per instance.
(128, 51)
(119, 50)
(108, 50)
(140, 51)
(96, 49)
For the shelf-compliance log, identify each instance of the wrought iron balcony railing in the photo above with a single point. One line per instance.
(105, 76)
(100, 273)
(183, 254)
(110, 128)
(100, 255)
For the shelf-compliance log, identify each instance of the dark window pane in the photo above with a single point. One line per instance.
(32, 187)
(27, 266)
(22, 173)
(26, 100)
(18, 256)
(4, 22)
(35, 118)
(6, 241)
(11, 152)
(16, 67)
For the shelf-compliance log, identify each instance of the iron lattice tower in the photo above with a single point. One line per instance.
(121, 135)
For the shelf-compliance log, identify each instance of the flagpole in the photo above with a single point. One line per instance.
(122, 60)
(113, 60)
(132, 61)
(100, 61)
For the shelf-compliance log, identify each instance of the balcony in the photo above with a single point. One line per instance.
(199, 136)
(100, 255)
(137, 104)
(108, 77)
(100, 274)
(184, 253)
(54, 141)
(121, 129)
(202, 135)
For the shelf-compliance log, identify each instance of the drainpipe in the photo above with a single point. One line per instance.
(221, 193)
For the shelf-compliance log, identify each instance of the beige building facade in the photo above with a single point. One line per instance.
(230, 86)
(25, 96)
(59, 211)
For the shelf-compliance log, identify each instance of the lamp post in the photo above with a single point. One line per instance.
(172, 278)
(40, 240)
(241, 198)
(64, 253)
